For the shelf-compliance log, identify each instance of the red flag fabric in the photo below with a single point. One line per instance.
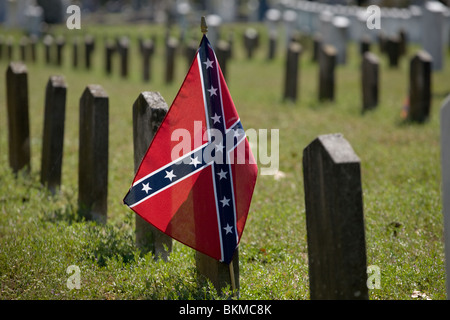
(196, 181)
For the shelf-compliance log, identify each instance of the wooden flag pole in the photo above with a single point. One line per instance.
(233, 283)
(204, 29)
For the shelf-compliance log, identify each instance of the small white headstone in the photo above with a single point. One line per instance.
(432, 32)
(214, 22)
(445, 163)
(339, 37)
(414, 28)
(290, 19)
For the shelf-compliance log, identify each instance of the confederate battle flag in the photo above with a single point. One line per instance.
(196, 181)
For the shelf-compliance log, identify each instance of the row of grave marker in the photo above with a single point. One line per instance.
(331, 170)
(94, 136)
(148, 111)
(327, 55)
(420, 75)
(426, 24)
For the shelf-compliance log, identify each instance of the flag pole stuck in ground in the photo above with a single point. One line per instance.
(204, 29)
(196, 180)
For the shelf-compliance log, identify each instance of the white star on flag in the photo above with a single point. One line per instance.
(222, 174)
(216, 118)
(225, 201)
(170, 175)
(195, 162)
(146, 187)
(228, 229)
(208, 63)
(219, 147)
(212, 91)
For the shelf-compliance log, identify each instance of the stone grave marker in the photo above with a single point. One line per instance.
(18, 117)
(53, 136)
(251, 41)
(93, 154)
(60, 42)
(420, 87)
(147, 50)
(327, 64)
(292, 72)
(171, 48)
(89, 47)
(370, 80)
(334, 220)
(149, 110)
(393, 49)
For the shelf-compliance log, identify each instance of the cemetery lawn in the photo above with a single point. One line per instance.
(41, 235)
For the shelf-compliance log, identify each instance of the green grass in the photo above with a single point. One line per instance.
(41, 235)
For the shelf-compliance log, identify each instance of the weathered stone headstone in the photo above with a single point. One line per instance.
(223, 55)
(370, 80)
(273, 35)
(231, 44)
(48, 45)
(123, 47)
(382, 42)
(171, 48)
(23, 48)
(60, 42)
(292, 72)
(327, 64)
(445, 167)
(334, 220)
(403, 37)
(93, 154)
(18, 120)
(420, 87)
(393, 49)
(149, 110)
(10, 48)
(89, 47)
(147, 50)
(75, 45)
(32, 43)
(53, 136)
(190, 50)
(251, 40)
(110, 49)
(364, 45)
(272, 20)
(317, 42)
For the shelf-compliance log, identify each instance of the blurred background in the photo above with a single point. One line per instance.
(23, 13)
